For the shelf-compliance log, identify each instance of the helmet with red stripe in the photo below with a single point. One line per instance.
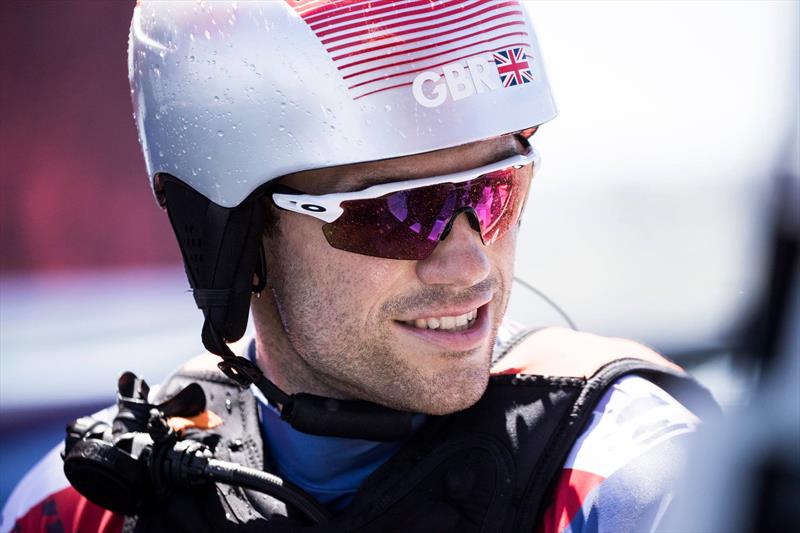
(230, 96)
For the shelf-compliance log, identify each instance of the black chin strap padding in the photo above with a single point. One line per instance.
(205, 298)
(346, 418)
(221, 249)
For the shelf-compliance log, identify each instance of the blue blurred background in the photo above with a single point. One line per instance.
(650, 219)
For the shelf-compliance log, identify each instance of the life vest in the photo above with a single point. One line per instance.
(489, 468)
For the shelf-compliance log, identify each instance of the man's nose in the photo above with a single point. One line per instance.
(460, 259)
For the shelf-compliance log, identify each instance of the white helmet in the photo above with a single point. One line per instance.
(230, 96)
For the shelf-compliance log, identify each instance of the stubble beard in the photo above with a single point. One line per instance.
(342, 361)
(374, 370)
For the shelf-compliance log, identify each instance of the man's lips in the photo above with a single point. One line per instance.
(455, 339)
(449, 311)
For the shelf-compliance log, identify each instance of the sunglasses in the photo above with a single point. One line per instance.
(407, 219)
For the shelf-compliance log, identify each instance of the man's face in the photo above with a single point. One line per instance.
(345, 325)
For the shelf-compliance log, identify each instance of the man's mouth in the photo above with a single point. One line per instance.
(455, 333)
(445, 323)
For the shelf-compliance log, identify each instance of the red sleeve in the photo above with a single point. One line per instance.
(44, 501)
(67, 511)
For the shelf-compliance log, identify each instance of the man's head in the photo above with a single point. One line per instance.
(321, 97)
(411, 334)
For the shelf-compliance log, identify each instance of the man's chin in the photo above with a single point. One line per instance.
(448, 382)
(452, 405)
(446, 397)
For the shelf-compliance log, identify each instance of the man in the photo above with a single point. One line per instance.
(361, 168)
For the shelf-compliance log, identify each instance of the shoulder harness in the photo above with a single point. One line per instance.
(489, 468)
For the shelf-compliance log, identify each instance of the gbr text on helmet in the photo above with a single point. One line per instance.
(458, 80)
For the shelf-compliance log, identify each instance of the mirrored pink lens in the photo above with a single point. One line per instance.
(409, 224)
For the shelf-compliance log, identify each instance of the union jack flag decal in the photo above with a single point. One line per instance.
(512, 64)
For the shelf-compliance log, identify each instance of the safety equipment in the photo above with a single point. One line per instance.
(407, 219)
(475, 470)
(139, 459)
(231, 96)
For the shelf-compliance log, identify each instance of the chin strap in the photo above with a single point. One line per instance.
(222, 250)
(314, 414)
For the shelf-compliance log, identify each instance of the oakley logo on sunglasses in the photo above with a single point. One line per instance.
(313, 207)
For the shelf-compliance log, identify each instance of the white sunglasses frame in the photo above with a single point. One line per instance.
(328, 207)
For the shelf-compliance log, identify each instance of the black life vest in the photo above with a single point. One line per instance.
(489, 468)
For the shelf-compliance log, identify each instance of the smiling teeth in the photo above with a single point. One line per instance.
(450, 323)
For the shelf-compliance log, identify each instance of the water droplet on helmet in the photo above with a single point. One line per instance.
(191, 58)
(158, 116)
(387, 107)
(216, 99)
(220, 133)
(207, 34)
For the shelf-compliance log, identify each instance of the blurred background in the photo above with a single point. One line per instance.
(653, 216)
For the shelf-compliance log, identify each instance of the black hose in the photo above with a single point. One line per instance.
(270, 484)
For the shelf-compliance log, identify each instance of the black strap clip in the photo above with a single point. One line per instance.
(240, 370)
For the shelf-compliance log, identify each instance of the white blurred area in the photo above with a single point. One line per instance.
(648, 219)
(650, 216)
(67, 337)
